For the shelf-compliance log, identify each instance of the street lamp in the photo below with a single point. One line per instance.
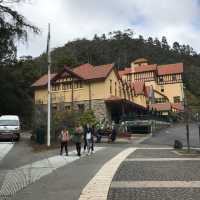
(186, 119)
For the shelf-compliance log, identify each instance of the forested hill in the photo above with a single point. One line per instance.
(118, 47)
(122, 48)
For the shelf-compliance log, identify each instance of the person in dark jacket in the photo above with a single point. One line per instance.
(89, 139)
(78, 138)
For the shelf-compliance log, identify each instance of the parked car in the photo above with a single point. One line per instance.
(10, 127)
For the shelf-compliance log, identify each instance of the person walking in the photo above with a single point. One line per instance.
(64, 138)
(88, 139)
(78, 137)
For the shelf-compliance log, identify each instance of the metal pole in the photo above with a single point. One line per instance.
(49, 90)
(199, 133)
(188, 137)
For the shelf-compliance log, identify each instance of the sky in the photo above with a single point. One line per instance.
(178, 20)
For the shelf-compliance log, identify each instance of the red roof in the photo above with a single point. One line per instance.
(178, 106)
(160, 106)
(145, 68)
(138, 87)
(89, 72)
(124, 72)
(42, 81)
(85, 71)
(176, 68)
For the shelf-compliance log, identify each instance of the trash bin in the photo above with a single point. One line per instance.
(40, 135)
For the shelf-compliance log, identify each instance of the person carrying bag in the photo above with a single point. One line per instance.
(64, 139)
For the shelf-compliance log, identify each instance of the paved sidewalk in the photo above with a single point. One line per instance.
(160, 174)
(68, 181)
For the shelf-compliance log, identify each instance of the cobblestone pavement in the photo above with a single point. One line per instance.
(159, 174)
(154, 194)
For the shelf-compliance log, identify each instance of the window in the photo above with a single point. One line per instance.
(55, 87)
(67, 108)
(120, 92)
(78, 84)
(110, 86)
(161, 79)
(160, 100)
(177, 99)
(162, 88)
(67, 86)
(81, 107)
(173, 77)
(115, 88)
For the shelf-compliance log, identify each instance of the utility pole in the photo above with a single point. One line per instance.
(49, 90)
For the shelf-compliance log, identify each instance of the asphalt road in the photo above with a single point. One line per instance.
(178, 132)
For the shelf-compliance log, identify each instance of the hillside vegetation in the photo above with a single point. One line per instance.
(119, 47)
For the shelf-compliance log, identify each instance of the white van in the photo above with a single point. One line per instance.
(10, 127)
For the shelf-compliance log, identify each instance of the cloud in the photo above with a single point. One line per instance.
(71, 19)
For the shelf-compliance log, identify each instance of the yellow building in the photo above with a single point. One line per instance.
(163, 84)
(90, 87)
(112, 94)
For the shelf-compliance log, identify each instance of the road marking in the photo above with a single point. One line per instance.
(155, 184)
(4, 149)
(17, 179)
(98, 186)
(160, 159)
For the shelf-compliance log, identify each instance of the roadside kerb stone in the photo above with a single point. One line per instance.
(155, 184)
(99, 185)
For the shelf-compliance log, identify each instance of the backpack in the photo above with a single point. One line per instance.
(64, 136)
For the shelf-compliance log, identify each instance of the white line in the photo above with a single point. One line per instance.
(17, 179)
(160, 159)
(155, 148)
(155, 184)
(4, 149)
(98, 186)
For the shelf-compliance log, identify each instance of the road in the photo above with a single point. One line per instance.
(120, 171)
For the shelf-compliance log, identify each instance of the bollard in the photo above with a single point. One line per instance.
(188, 136)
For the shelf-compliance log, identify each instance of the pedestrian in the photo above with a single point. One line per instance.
(77, 138)
(88, 139)
(64, 138)
(113, 134)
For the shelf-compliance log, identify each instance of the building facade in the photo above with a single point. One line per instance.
(163, 84)
(112, 94)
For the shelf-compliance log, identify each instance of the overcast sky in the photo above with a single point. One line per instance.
(178, 20)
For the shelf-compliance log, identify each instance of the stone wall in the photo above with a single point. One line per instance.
(99, 107)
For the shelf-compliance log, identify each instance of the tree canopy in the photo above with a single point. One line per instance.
(13, 26)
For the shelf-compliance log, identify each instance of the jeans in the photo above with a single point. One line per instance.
(78, 148)
(63, 144)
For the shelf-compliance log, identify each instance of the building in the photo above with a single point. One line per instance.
(163, 84)
(112, 94)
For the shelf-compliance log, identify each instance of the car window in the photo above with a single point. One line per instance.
(9, 123)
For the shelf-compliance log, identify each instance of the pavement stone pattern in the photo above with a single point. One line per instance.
(162, 171)
(17, 179)
(154, 153)
(98, 187)
(154, 194)
(159, 174)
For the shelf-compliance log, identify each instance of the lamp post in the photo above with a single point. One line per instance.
(186, 120)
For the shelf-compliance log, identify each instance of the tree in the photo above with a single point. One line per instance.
(12, 26)
(164, 43)
(176, 47)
